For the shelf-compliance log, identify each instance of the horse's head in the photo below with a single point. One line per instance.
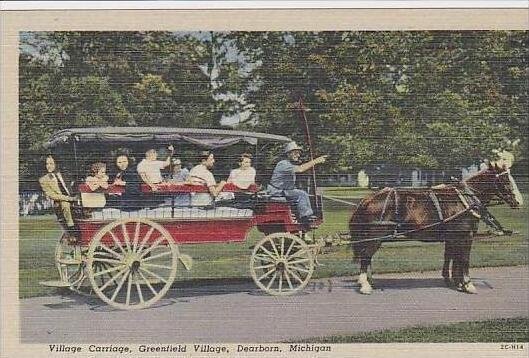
(496, 181)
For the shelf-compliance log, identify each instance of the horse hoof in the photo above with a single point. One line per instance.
(469, 288)
(366, 290)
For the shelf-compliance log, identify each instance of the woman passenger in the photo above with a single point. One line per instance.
(244, 176)
(128, 177)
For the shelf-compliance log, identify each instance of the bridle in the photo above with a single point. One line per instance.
(498, 192)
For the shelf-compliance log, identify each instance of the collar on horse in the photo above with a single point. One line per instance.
(393, 193)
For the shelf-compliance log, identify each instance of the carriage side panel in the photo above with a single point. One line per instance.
(274, 217)
(182, 232)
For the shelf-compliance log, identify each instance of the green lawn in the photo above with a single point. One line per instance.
(38, 236)
(498, 330)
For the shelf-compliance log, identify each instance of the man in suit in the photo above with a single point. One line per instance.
(55, 188)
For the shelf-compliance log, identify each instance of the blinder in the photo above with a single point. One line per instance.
(500, 186)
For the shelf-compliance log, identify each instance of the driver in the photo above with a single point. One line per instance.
(283, 181)
(54, 187)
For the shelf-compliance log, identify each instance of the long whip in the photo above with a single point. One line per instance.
(305, 125)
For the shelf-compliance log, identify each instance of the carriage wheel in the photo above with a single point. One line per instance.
(132, 263)
(71, 264)
(281, 264)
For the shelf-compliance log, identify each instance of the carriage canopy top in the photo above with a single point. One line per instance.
(207, 138)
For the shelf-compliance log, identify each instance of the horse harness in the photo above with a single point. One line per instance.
(471, 203)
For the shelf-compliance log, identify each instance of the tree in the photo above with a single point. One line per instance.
(416, 99)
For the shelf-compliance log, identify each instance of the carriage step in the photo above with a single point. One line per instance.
(69, 261)
(55, 283)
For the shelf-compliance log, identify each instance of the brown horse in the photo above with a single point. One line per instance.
(446, 213)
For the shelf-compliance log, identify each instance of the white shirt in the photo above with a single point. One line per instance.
(242, 178)
(152, 169)
(200, 175)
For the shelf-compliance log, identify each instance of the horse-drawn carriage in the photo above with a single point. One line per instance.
(129, 259)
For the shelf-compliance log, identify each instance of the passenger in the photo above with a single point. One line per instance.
(150, 168)
(244, 176)
(180, 176)
(54, 187)
(283, 181)
(98, 178)
(201, 175)
(127, 177)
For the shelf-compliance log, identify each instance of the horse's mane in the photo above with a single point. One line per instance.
(476, 175)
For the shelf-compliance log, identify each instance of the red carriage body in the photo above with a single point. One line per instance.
(269, 216)
(123, 255)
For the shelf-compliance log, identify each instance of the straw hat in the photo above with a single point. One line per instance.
(291, 146)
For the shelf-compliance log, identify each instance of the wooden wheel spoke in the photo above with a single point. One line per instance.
(110, 251)
(120, 284)
(271, 280)
(266, 274)
(274, 247)
(126, 236)
(282, 247)
(166, 253)
(148, 283)
(265, 258)
(116, 240)
(145, 239)
(76, 278)
(113, 279)
(263, 266)
(129, 286)
(297, 261)
(153, 274)
(98, 266)
(290, 247)
(140, 294)
(294, 275)
(78, 283)
(115, 268)
(287, 277)
(136, 236)
(110, 261)
(299, 269)
(298, 253)
(152, 247)
(157, 265)
(268, 252)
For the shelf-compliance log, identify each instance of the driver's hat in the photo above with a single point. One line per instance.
(291, 146)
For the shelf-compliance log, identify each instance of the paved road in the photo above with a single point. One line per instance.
(237, 312)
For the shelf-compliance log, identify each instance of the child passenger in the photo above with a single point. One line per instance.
(98, 177)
